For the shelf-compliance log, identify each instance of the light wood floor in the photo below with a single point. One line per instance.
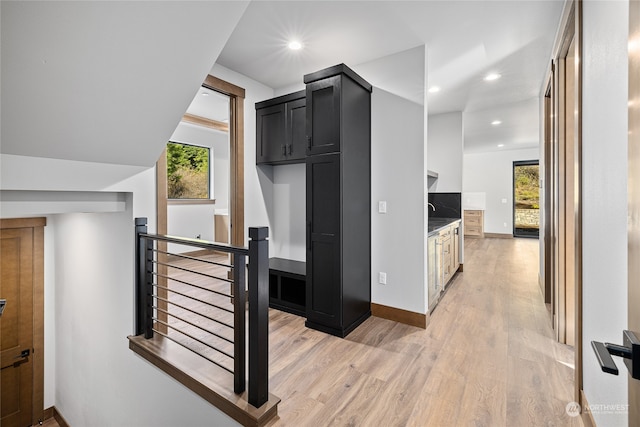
(487, 358)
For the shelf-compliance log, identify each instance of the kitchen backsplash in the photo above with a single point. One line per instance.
(448, 205)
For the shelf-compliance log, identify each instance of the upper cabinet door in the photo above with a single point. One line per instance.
(296, 129)
(323, 116)
(270, 134)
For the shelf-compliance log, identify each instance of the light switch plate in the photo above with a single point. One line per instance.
(382, 207)
(382, 278)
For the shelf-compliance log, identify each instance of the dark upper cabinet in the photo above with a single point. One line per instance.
(323, 116)
(338, 197)
(280, 129)
(296, 136)
(270, 129)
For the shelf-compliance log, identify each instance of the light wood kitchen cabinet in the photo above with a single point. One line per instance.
(474, 223)
(455, 238)
(443, 257)
(447, 254)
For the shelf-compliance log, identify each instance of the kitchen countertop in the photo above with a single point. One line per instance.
(437, 224)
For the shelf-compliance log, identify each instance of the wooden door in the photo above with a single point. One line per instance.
(634, 197)
(16, 327)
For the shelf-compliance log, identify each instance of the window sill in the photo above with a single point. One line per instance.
(191, 201)
(207, 380)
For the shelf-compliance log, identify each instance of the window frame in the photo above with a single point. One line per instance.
(192, 201)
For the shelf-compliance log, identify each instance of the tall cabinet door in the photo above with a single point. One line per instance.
(323, 116)
(270, 135)
(323, 241)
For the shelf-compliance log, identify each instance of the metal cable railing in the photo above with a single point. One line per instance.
(199, 302)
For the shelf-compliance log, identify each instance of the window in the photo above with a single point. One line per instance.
(188, 175)
(526, 198)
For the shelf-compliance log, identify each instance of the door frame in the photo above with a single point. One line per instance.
(633, 288)
(37, 224)
(515, 164)
(557, 205)
(236, 96)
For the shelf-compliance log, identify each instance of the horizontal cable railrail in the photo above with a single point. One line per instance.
(193, 258)
(182, 298)
(194, 272)
(194, 312)
(164, 276)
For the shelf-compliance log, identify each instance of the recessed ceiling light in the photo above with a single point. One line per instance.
(496, 122)
(491, 77)
(500, 145)
(295, 45)
(434, 89)
(204, 94)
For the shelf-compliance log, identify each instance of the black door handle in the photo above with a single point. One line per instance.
(23, 354)
(604, 358)
(629, 351)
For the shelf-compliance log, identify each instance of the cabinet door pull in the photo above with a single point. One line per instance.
(284, 149)
(309, 142)
(290, 149)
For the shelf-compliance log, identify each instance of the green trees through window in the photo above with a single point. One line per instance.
(526, 192)
(188, 174)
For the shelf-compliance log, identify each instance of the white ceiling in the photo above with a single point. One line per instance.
(114, 84)
(210, 104)
(465, 40)
(104, 82)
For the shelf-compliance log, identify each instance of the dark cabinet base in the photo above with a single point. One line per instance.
(338, 332)
(287, 285)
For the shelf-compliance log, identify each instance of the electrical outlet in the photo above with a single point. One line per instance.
(382, 278)
(504, 224)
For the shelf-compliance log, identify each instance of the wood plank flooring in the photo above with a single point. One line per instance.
(487, 358)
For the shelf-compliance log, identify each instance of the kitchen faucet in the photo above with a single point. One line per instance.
(434, 208)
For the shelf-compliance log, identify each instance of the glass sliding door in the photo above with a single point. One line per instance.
(526, 198)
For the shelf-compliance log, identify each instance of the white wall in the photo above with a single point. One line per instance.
(289, 211)
(444, 146)
(99, 381)
(89, 369)
(604, 214)
(397, 177)
(34, 173)
(492, 173)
